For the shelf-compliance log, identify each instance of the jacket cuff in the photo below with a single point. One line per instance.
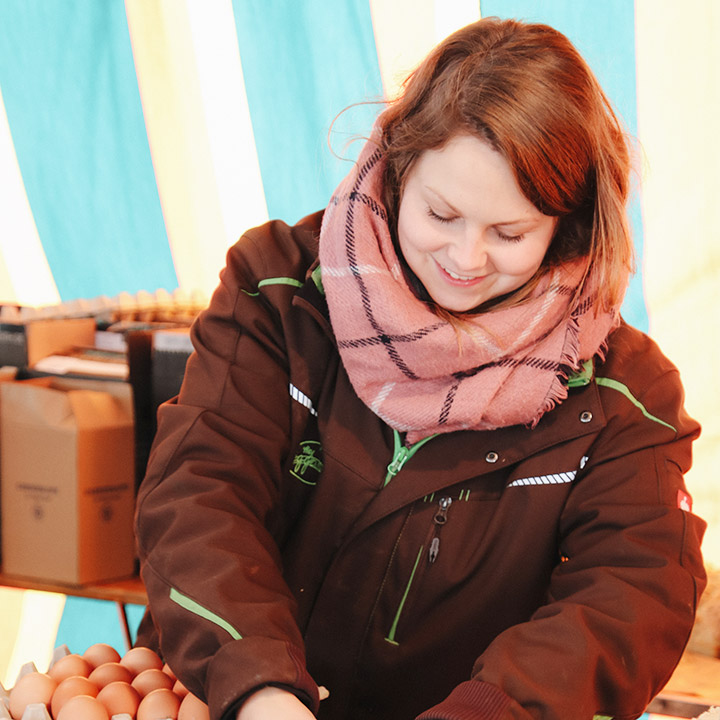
(471, 700)
(245, 665)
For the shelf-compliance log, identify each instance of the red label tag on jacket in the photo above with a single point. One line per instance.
(684, 501)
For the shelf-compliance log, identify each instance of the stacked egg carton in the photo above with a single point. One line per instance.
(100, 685)
(176, 307)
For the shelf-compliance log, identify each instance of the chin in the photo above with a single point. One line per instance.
(455, 307)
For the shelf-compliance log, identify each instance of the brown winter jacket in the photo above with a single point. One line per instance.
(287, 536)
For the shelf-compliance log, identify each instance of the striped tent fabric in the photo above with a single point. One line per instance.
(139, 139)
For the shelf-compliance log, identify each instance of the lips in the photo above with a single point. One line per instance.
(457, 279)
(455, 276)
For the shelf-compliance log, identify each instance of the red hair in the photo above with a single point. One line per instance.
(525, 90)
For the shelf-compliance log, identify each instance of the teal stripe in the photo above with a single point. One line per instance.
(86, 621)
(604, 32)
(70, 91)
(303, 63)
(625, 390)
(197, 609)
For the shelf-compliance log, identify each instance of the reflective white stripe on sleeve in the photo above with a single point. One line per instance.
(302, 398)
(555, 479)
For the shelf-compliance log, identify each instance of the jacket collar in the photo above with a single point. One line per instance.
(477, 453)
(311, 297)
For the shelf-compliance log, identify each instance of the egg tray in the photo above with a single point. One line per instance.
(178, 306)
(100, 685)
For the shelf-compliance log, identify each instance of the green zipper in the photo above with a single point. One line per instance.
(401, 454)
(393, 630)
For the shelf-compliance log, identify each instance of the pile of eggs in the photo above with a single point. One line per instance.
(101, 685)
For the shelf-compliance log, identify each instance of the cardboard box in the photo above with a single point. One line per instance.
(67, 476)
(23, 344)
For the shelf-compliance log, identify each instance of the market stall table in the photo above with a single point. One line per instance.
(123, 592)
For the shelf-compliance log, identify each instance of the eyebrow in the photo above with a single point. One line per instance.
(526, 221)
(442, 199)
(506, 223)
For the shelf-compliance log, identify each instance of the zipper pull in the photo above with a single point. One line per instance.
(441, 515)
(402, 454)
(434, 549)
(439, 519)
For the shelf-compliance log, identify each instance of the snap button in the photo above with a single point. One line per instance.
(492, 457)
(586, 416)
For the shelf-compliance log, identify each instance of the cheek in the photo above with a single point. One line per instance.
(419, 234)
(412, 234)
(521, 260)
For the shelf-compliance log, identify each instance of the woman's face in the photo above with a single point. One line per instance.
(465, 228)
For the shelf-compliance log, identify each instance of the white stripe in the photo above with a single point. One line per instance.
(385, 390)
(539, 315)
(25, 276)
(227, 115)
(347, 271)
(302, 398)
(555, 479)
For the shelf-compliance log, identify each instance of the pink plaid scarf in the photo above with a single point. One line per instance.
(405, 362)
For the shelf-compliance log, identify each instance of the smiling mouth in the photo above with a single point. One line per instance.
(456, 276)
(467, 279)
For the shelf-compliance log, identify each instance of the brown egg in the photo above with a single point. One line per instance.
(118, 698)
(168, 671)
(69, 666)
(33, 687)
(151, 679)
(179, 689)
(193, 708)
(83, 707)
(109, 672)
(101, 653)
(138, 659)
(68, 688)
(158, 705)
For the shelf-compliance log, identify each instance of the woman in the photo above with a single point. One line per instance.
(417, 458)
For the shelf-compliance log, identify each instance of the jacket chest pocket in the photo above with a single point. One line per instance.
(440, 547)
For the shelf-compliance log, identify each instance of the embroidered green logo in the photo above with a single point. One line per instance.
(307, 460)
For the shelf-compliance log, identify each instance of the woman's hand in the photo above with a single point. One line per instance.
(271, 703)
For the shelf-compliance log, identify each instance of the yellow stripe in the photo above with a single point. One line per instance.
(11, 603)
(406, 30)
(25, 275)
(30, 619)
(172, 105)
(678, 74)
(453, 14)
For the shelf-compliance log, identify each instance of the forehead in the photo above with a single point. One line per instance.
(469, 172)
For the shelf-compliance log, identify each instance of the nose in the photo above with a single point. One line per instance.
(469, 252)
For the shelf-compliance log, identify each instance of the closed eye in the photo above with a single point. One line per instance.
(510, 238)
(440, 218)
